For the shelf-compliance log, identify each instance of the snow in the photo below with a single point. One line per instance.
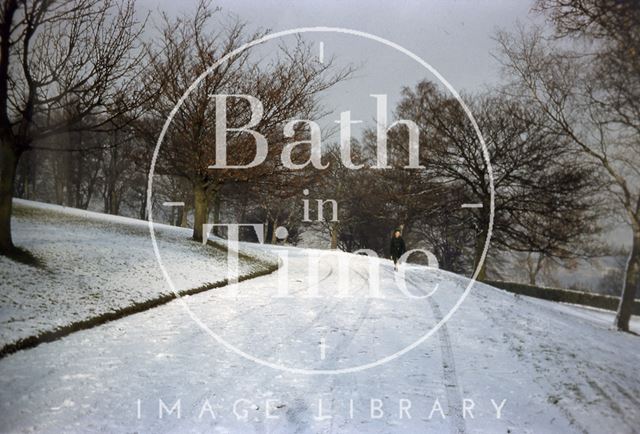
(94, 263)
(559, 368)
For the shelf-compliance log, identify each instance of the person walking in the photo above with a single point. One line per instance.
(397, 248)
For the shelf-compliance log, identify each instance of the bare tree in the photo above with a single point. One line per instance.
(72, 57)
(591, 97)
(543, 197)
(118, 167)
(286, 85)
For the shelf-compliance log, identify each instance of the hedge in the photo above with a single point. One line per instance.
(601, 301)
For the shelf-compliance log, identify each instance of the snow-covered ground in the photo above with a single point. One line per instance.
(547, 367)
(94, 263)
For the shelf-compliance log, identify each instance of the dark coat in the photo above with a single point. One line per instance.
(397, 247)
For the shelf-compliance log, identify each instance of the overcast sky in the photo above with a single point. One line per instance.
(454, 36)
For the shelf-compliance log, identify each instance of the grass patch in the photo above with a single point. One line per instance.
(60, 332)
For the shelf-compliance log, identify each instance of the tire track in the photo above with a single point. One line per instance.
(449, 375)
(327, 309)
(294, 411)
(262, 306)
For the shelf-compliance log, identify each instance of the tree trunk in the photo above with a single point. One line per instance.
(216, 214)
(184, 216)
(274, 239)
(534, 265)
(201, 212)
(177, 221)
(172, 216)
(481, 238)
(631, 283)
(69, 175)
(142, 211)
(334, 236)
(8, 164)
(24, 183)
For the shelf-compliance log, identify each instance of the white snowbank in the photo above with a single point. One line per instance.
(94, 263)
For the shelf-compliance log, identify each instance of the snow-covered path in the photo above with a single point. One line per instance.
(558, 371)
